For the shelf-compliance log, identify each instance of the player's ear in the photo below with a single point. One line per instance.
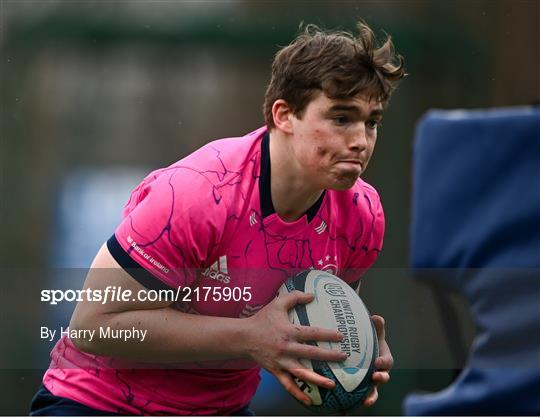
(281, 113)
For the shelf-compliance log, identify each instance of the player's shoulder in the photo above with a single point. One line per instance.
(359, 215)
(220, 160)
(361, 197)
(357, 212)
(370, 193)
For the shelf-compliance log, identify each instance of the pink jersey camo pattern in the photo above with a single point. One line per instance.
(198, 223)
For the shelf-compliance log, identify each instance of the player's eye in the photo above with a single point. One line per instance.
(373, 124)
(341, 120)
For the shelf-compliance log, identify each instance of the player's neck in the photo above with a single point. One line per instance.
(292, 193)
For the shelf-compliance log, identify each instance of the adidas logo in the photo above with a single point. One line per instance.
(218, 271)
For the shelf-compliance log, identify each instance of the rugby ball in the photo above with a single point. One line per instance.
(337, 306)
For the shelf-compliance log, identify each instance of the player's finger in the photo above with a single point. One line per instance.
(381, 377)
(378, 321)
(313, 352)
(289, 300)
(307, 333)
(290, 386)
(372, 397)
(385, 362)
(308, 375)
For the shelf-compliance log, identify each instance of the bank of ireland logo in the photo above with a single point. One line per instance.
(327, 264)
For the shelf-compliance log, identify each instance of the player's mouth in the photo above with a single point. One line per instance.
(353, 163)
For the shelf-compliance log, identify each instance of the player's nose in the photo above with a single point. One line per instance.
(357, 140)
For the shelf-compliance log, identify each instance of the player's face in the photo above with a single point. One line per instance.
(334, 140)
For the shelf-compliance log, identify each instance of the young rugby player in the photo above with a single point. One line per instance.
(227, 225)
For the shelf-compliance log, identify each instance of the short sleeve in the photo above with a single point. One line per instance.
(371, 232)
(374, 244)
(172, 225)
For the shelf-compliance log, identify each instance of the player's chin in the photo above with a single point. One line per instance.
(344, 181)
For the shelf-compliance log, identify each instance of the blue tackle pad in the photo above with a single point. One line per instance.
(476, 216)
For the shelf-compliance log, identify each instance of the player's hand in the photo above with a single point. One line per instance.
(277, 345)
(383, 363)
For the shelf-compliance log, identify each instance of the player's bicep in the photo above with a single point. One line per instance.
(109, 289)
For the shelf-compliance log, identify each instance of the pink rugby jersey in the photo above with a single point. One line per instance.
(208, 221)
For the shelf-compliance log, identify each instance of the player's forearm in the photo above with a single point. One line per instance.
(171, 336)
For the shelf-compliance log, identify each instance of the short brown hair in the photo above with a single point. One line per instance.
(337, 63)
